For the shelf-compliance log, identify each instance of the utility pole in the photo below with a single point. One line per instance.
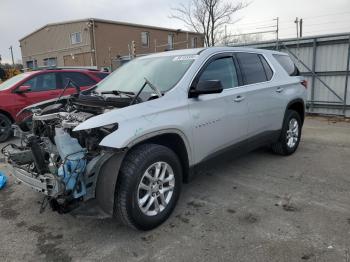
(297, 25)
(133, 49)
(187, 44)
(110, 58)
(277, 31)
(13, 61)
(301, 27)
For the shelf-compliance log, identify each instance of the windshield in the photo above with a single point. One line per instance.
(13, 80)
(162, 72)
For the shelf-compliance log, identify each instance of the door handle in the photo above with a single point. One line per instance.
(279, 90)
(239, 98)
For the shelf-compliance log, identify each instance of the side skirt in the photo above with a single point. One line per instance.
(237, 150)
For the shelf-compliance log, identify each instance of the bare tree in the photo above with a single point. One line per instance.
(208, 16)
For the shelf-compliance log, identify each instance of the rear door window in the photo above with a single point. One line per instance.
(42, 82)
(287, 64)
(252, 68)
(79, 79)
(222, 69)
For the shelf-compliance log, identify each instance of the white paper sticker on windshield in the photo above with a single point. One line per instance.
(185, 57)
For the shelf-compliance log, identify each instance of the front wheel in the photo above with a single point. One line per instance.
(5, 128)
(290, 134)
(148, 186)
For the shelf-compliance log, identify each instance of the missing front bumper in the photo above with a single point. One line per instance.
(46, 184)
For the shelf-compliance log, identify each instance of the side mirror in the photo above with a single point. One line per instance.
(206, 87)
(22, 89)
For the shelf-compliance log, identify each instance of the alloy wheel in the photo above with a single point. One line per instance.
(292, 133)
(156, 188)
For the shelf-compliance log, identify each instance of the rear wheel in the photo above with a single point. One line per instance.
(290, 134)
(148, 187)
(5, 128)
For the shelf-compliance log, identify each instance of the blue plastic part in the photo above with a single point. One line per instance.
(71, 173)
(74, 162)
(3, 180)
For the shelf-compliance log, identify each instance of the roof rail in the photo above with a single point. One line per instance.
(89, 68)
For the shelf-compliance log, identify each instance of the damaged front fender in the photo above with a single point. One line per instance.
(103, 174)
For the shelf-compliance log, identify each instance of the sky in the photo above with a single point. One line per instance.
(21, 17)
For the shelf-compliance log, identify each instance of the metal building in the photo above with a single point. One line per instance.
(324, 61)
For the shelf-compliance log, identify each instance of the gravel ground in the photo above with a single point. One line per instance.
(259, 207)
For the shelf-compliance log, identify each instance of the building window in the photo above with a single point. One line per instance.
(145, 39)
(170, 41)
(52, 61)
(194, 42)
(75, 38)
(32, 64)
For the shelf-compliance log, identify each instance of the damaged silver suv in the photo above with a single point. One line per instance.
(124, 147)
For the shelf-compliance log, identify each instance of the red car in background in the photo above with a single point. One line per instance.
(33, 87)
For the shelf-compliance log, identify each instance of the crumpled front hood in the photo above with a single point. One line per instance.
(122, 114)
(42, 104)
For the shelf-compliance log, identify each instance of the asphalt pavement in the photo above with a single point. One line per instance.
(258, 207)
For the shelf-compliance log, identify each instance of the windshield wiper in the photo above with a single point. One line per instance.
(117, 93)
(154, 88)
(70, 81)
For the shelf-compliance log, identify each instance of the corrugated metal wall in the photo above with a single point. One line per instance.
(327, 57)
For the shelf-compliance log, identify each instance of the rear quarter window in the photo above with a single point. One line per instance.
(287, 64)
(267, 68)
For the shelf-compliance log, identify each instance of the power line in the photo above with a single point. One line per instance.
(317, 16)
(330, 29)
(286, 21)
(257, 22)
(302, 27)
(324, 23)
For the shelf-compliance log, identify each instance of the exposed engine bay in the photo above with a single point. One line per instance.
(55, 160)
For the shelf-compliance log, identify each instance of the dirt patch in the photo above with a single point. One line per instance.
(230, 210)
(36, 229)
(21, 224)
(183, 219)
(307, 256)
(9, 213)
(195, 204)
(47, 245)
(6, 209)
(287, 203)
(148, 238)
(290, 208)
(249, 218)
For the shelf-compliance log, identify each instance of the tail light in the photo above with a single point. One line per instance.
(304, 83)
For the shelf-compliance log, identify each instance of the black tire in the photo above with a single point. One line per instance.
(5, 128)
(132, 170)
(282, 147)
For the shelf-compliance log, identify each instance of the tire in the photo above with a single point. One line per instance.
(288, 141)
(5, 128)
(130, 191)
